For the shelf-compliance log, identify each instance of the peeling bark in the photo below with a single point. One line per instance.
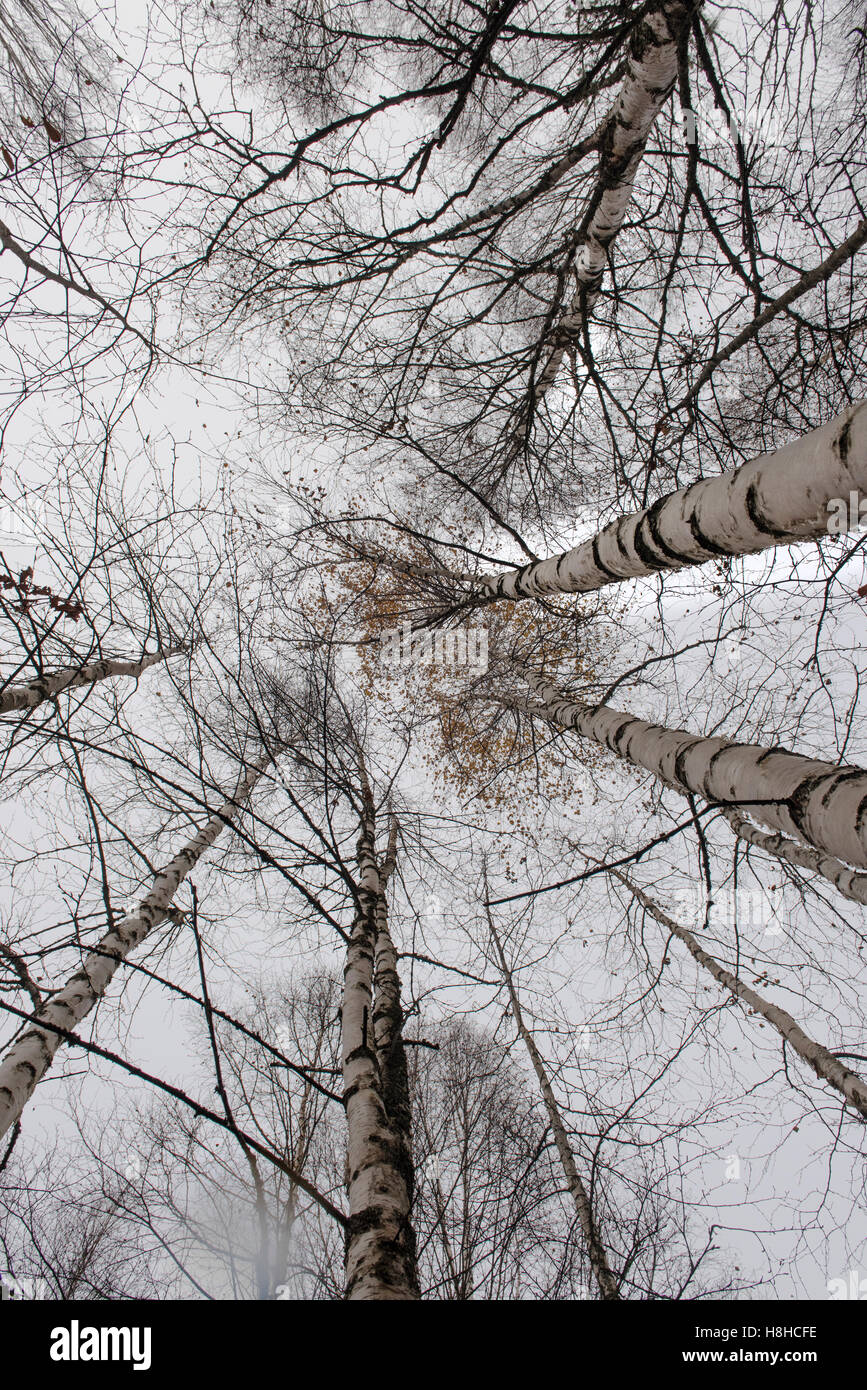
(776, 499)
(30, 1056)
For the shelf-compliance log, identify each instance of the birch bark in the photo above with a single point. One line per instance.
(34, 692)
(30, 1056)
(776, 499)
(845, 880)
(380, 1244)
(824, 1063)
(592, 1242)
(650, 77)
(804, 798)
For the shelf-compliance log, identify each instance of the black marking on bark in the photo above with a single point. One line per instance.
(842, 442)
(645, 551)
(776, 748)
(704, 542)
(367, 1220)
(610, 575)
(614, 740)
(799, 802)
(757, 516)
(521, 581)
(561, 561)
(652, 519)
(621, 544)
(680, 762)
(847, 774)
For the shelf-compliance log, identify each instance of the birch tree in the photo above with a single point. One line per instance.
(31, 1054)
(793, 495)
(824, 1063)
(380, 1254)
(22, 697)
(596, 1252)
(454, 313)
(651, 72)
(804, 798)
(654, 338)
(852, 885)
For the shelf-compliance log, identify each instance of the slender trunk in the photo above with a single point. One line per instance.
(776, 499)
(602, 1271)
(380, 1244)
(852, 885)
(650, 77)
(838, 257)
(388, 1013)
(806, 798)
(34, 692)
(824, 1063)
(30, 1056)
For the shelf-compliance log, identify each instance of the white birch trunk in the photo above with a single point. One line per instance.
(592, 1242)
(804, 798)
(388, 1012)
(650, 77)
(824, 1063)
(846, 881)
(380, 1245)
(34, 692)
(776, 499)
(30, 1056)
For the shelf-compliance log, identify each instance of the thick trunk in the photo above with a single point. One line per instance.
(805, 798)
(777, 499)
(824, 1063)
(34, 692)
(380, 1244)
(30, 1056)
(592, 1243)
(650, 77)
(846, 881)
